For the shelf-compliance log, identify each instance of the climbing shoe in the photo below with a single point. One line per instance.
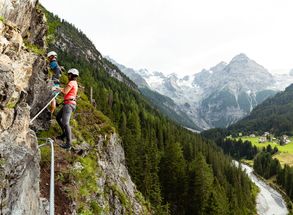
(65, 146)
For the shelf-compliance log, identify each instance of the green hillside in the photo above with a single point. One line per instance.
(176, 170)
(274, 115)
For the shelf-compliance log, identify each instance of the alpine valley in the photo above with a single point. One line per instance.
(215, 97)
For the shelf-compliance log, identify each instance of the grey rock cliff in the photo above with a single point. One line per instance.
(19, 154)
(116, 178)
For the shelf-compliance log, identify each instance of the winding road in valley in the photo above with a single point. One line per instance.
(269, 201)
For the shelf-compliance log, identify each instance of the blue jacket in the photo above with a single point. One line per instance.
(55, 67)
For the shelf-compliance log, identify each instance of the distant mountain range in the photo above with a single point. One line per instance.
(217, 97)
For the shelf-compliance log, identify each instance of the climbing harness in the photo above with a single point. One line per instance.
(44, 107)
(51, 142)
(67, 100)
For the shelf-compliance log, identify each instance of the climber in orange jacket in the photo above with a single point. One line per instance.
(69, 105)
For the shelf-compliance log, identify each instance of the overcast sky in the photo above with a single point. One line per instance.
(184, 36)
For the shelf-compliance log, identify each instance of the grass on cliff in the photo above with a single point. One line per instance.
(79, 183)
(34, 48)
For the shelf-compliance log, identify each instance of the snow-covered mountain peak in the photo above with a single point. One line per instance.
(186, 78)
(282, 80)
(240, 58)
(186, 81)
(220, 95)
(243, 67)
(144, 72)
(159, 74)
(219, 67)
(173, 77)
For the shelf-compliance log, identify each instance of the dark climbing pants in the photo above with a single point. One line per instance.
(63, 119)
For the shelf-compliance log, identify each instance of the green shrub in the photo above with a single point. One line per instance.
(96, 208)
(34, 48)
(11, 105)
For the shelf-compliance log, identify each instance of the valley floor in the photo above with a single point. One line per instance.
(285, 152)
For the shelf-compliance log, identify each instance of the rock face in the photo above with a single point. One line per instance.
(233, 90)
(19, 154)
(20, 12)
(116, 179)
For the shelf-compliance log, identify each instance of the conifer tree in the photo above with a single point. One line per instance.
(202, 182)
(173, 176)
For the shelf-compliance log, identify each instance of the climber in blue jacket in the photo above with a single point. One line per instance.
(54, 67)
(52, 57)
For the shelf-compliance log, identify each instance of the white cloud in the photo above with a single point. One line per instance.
(187, 35)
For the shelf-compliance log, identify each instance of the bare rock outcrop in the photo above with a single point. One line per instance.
(19, 154)
(116, 177)
(19, 12)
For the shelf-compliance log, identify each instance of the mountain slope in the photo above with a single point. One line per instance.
(167, 106)
(235, 91)
(274, 115)
(217, 97)
(165, 161)
(130, 73)
(163, 103)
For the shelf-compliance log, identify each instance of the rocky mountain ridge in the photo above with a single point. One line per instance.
(219, 96)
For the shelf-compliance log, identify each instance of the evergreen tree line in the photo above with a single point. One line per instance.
(268, 167)
(265, 165)
(285, 179)
(238, 149)
(215, 134)
(176, 170)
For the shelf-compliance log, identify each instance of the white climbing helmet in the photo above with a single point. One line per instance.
(52, 53)
(73, 71)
